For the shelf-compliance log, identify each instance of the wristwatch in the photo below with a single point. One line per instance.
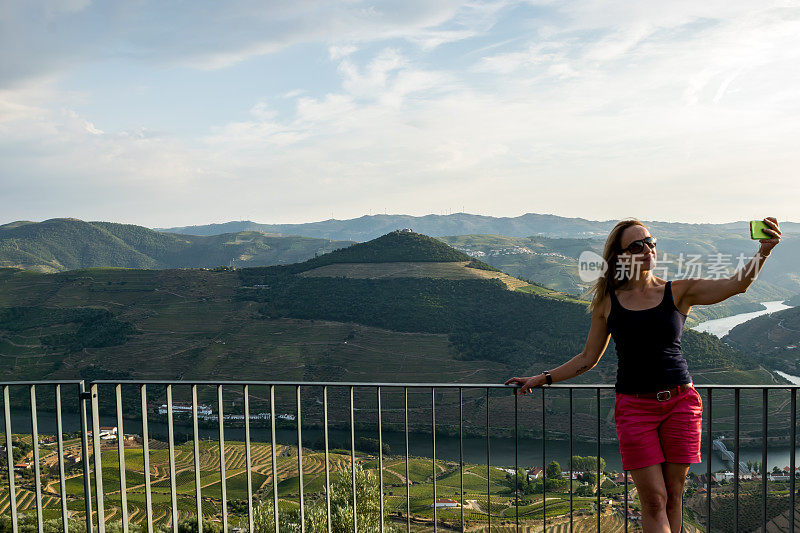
(547, 377)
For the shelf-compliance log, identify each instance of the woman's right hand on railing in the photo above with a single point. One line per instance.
(527, 384)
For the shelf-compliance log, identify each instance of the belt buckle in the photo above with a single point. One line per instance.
(667, 392)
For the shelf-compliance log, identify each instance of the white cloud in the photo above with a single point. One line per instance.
(36, 39)
(587, 101)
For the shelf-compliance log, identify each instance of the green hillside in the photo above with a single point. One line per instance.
(396, 246)
(773, 339)
(553, 262)
(67, 244)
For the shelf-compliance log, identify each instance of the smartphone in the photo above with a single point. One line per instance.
(757, 230)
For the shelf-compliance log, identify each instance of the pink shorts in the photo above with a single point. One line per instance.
(651, 432)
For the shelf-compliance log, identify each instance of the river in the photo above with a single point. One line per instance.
(722, 326)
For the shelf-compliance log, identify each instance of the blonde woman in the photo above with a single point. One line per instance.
(658, 413)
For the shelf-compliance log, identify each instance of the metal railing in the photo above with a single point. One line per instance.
(97, 519)
(78, 388)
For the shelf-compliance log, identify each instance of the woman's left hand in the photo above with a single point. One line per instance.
(768, 244)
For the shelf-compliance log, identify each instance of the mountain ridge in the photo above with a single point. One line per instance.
(368, 227)
(62, 244)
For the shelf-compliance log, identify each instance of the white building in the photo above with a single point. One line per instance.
(446, 502)
(108, 432)
(723, 476)
(535, 472)
(185, 408)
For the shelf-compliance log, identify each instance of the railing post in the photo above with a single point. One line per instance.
(87, 488)
(248, 459)
(709, 453)
(792, 451)
(62, 482)
(12, 494)
(36, 468)
(197, 490)
(516, 461)
(353, 455)
(433, 448)
(599, 470)
(408, 479)
(544, 466)
(625, 473)
(148, 496)
(300, 459)
(123, 489)
(488, 471)
(327, 459)
(223, 483)
(461, 453)
(98, 461)
(572, 468)
(274, 460)
(736, 459)
(380, 455)
(764, 468)
(173, 491)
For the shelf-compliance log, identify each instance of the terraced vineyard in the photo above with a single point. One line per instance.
(420, 478)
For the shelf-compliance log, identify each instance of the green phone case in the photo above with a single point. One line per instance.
(757, 230)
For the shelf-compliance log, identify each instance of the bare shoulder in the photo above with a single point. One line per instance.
(679, 287)
(604, 309)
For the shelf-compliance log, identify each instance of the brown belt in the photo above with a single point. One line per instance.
(663, 395)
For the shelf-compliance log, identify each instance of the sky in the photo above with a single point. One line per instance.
(193, 112)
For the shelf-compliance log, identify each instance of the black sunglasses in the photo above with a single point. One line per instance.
(637, 246)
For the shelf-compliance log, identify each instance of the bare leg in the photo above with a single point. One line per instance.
(652, 491)
(675, 479)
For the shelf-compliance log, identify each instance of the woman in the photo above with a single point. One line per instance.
(658, 413)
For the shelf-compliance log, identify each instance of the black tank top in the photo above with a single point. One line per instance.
(648, 344)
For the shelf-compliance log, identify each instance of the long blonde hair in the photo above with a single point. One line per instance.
(610, 280)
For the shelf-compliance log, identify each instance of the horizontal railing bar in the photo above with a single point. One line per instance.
(329, 383)
(400, 384)
(41, 382)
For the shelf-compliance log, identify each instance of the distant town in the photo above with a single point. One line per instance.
(204, 412)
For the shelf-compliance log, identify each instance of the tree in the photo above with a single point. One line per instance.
(189, 525)
(522, 482)
(587, 463)
(368, 515)
(554, 470)
(755, 467)
(589, 477)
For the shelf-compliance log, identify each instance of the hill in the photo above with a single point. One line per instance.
(398, 245)
(66, 244)
(773, 340)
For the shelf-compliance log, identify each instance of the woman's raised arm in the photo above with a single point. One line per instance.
(696, 291)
